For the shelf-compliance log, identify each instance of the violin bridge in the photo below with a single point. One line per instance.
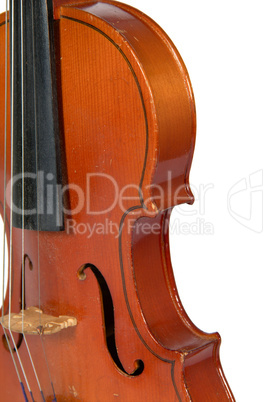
(33, 321)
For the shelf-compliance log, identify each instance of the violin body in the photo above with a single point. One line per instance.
(127, 124)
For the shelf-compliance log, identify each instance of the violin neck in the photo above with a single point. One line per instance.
(34, 117)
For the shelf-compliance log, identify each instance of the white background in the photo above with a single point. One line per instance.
(221, 276)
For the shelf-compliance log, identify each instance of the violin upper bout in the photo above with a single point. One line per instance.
(165, 94)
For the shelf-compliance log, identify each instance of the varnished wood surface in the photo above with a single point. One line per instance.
(127, 110)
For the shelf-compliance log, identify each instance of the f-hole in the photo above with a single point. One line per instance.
(109, 325)
(25, 263)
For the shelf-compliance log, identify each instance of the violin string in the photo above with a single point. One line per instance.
(4, 220)
(21, 365)
(38, 224)
(36, 155)
(11, 195)
(37, 209)
(34, 369)
(23, 194)
(15, 365)
(11, 204)
(23, 223)
(11, 163)
(5, 165)
(11, 218)
(22, 166)
(48, 369)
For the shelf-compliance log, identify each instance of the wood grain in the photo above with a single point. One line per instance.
(127, 112)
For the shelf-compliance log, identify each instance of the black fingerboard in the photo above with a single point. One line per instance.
(37, 203)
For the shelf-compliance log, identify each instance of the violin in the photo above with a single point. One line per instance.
(97, 134)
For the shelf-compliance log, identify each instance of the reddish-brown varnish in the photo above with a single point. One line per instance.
(126, 110)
